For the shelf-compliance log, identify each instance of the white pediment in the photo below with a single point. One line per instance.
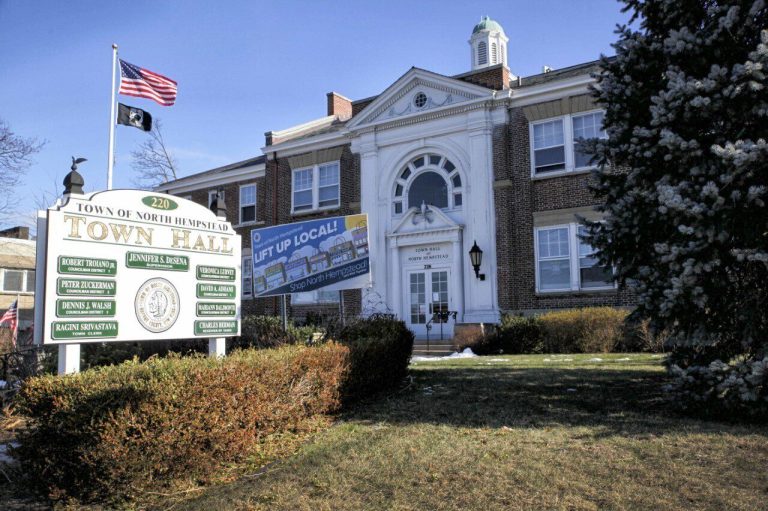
(427, 220)
(417, 92)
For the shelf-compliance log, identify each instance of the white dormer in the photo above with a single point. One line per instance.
(488, 44)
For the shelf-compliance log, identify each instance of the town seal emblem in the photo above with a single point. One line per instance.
(157, 305)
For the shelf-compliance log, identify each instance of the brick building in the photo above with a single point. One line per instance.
(17, 273)
(439, 164)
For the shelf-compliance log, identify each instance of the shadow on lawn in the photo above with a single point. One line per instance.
(612, 401)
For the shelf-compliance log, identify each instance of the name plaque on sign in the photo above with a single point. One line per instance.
(69, 308)
(216, 309)
(215, 291)
(215, 327)
(85, 287)
(215, 273)
(83, 329)
(87, 266)
(146, 261)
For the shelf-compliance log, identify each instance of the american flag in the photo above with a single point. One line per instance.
(11, 316)
(142, 83)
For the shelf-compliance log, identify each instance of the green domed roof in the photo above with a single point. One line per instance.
(487, 23)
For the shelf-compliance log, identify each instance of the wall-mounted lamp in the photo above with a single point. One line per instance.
(476, 258)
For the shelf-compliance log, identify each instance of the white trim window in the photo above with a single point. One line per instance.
(212, 195)
(560, 267)
(247, 203)
(554, 142)
(315, 297)
(17, 280)
(247, 276)
(315, 187)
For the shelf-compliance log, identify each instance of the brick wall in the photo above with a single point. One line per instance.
(495, 77)
(517, 198)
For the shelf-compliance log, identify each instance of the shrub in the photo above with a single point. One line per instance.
(588, 330)
(115, 431)
(268, 332)
(380, 349)
(737, 389)
(515, 334)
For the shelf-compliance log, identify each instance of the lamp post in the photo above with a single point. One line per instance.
(476, 258)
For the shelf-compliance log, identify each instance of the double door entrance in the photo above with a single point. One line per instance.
(427, 295)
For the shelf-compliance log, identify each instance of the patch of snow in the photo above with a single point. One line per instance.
(622, 359)
(498, 360)
(467, 353)
(596, 359)
(558, 360)
(570, 390)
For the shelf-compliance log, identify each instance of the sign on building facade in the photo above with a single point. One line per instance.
(130, 265)
(330, 253)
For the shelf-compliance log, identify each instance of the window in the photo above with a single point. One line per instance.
(586, 126)
(247, 203)
(560, 267)
(431, 179)
(482, 53)
(316, 187)
(247, 275)
(554, 142)
(591, 273)
(212, 195)
(314, 297)
(548, 146)
(17, 281)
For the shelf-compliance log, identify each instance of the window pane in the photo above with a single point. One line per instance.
(398, 190)
(326, 296)
(329, 174)
(548, 134)
(247, 287)
(547, 160)
(31, 281)
(593, 274)
(406, 172)
(302, 200)
(553, 243)
(418, 162)
(248, 195)
(329, 196)
(13, 280)
(448, 166)
(248, 214)
(398, 208)
(554, 274)
(457, 199)
(429, 188)
(456, 181)
(302, 179)
(586, 126)
(434, 159)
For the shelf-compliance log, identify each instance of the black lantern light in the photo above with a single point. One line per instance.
(476, 258)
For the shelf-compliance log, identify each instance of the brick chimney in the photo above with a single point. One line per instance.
(339, 105)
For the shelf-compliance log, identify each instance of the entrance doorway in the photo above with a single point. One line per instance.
(427, 293)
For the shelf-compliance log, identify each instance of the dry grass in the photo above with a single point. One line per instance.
(516, 432)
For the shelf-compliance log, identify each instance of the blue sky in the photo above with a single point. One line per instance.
(245, 67)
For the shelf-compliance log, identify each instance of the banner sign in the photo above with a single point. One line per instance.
(330, 253)
(130, 265)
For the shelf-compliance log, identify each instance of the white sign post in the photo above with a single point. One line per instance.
(130, 265)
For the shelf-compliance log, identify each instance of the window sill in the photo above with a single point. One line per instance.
(575, 292)
(561, 173)
(246, 224)
(314, 211)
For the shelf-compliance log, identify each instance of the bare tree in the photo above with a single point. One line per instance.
(15, 157)
(152, 161)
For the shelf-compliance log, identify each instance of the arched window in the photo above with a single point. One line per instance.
(482, 53)
(494, 54)
(430, 179)
(429, 188)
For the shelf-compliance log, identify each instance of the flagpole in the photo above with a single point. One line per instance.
(111, 161)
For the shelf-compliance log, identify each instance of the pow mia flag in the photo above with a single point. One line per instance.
(135, 117)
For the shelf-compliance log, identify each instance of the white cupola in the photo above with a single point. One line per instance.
(488, 44)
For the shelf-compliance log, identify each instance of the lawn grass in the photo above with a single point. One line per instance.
(516, 432)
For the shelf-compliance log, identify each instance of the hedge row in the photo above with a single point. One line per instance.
(117, 431)
(588, 330)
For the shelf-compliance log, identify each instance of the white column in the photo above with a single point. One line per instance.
(69, 358)
(395, 280)
(458, 278)
(369, 204)
(217, 347)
